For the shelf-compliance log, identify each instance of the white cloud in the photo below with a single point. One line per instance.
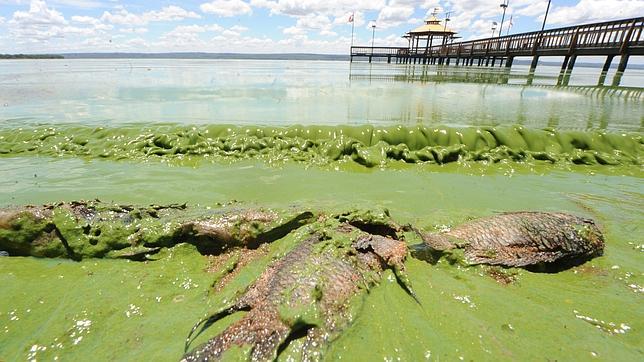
(238, 28)
(123, 17)
(534, 9)
(230, 34)
(294, 31)
(226, 8)
(40, 24)
(394, 15)
(85, 20)
(197, 28)
(137, 44)
(430, 5)
(134, 30)
(169, 13)
(83, 4)
(595, 10)
(37, 24)
(188, 34)
(313, 22)
(308, 7)
(88, 20)
(38, 15)
(328, 33)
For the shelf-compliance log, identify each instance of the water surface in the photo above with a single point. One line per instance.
(114, 92)
(62, 121)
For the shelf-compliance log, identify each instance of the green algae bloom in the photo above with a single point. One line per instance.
(365, 145)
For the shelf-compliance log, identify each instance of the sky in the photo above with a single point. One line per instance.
(269, 26)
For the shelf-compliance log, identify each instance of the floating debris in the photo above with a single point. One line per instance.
(133, 310)
(465, 299)
(33, 352)
(79, 329)
(185, 283)
(608, 327)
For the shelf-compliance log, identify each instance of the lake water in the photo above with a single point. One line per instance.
(434, 146)
(114, 92)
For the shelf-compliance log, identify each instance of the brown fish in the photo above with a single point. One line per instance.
(519, 239)
(308, 292)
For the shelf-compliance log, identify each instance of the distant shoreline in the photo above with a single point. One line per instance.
(241, 56)
(31, 56)
(196, 55)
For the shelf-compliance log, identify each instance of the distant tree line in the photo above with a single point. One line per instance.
(31, 56)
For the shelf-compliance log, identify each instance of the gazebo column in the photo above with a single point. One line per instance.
(431, 40)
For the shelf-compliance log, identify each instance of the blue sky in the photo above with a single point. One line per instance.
(265, 26)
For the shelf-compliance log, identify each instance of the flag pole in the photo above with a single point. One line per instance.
(353, 24)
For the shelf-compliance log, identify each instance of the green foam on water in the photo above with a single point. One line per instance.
(365, 145)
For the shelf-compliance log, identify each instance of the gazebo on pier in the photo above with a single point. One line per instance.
(423, 36)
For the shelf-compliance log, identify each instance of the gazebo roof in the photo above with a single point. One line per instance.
(432, 26)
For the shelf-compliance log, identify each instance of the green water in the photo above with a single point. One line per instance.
(143, 311)
(460, 311)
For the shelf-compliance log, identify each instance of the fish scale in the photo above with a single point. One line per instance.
(522, 238)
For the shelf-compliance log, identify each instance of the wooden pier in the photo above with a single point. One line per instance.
(622, 38)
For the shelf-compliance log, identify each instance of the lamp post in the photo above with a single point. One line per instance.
(504, 5)
(494, 24)
(546, 16)
(447, 14)
(373, 34)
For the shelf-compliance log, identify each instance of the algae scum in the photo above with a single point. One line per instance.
(362, 242)
(366, 145)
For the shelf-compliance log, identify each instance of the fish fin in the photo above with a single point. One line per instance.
(403, 280)
(207, 322)
(308, 331)
(259, 335)
(391, 253)
(438, 241)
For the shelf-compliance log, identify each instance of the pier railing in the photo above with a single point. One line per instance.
(607, 38)
(379, 51)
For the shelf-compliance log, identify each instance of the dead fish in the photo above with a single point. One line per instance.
(308, 292)
(83, 229)
(518, 239)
